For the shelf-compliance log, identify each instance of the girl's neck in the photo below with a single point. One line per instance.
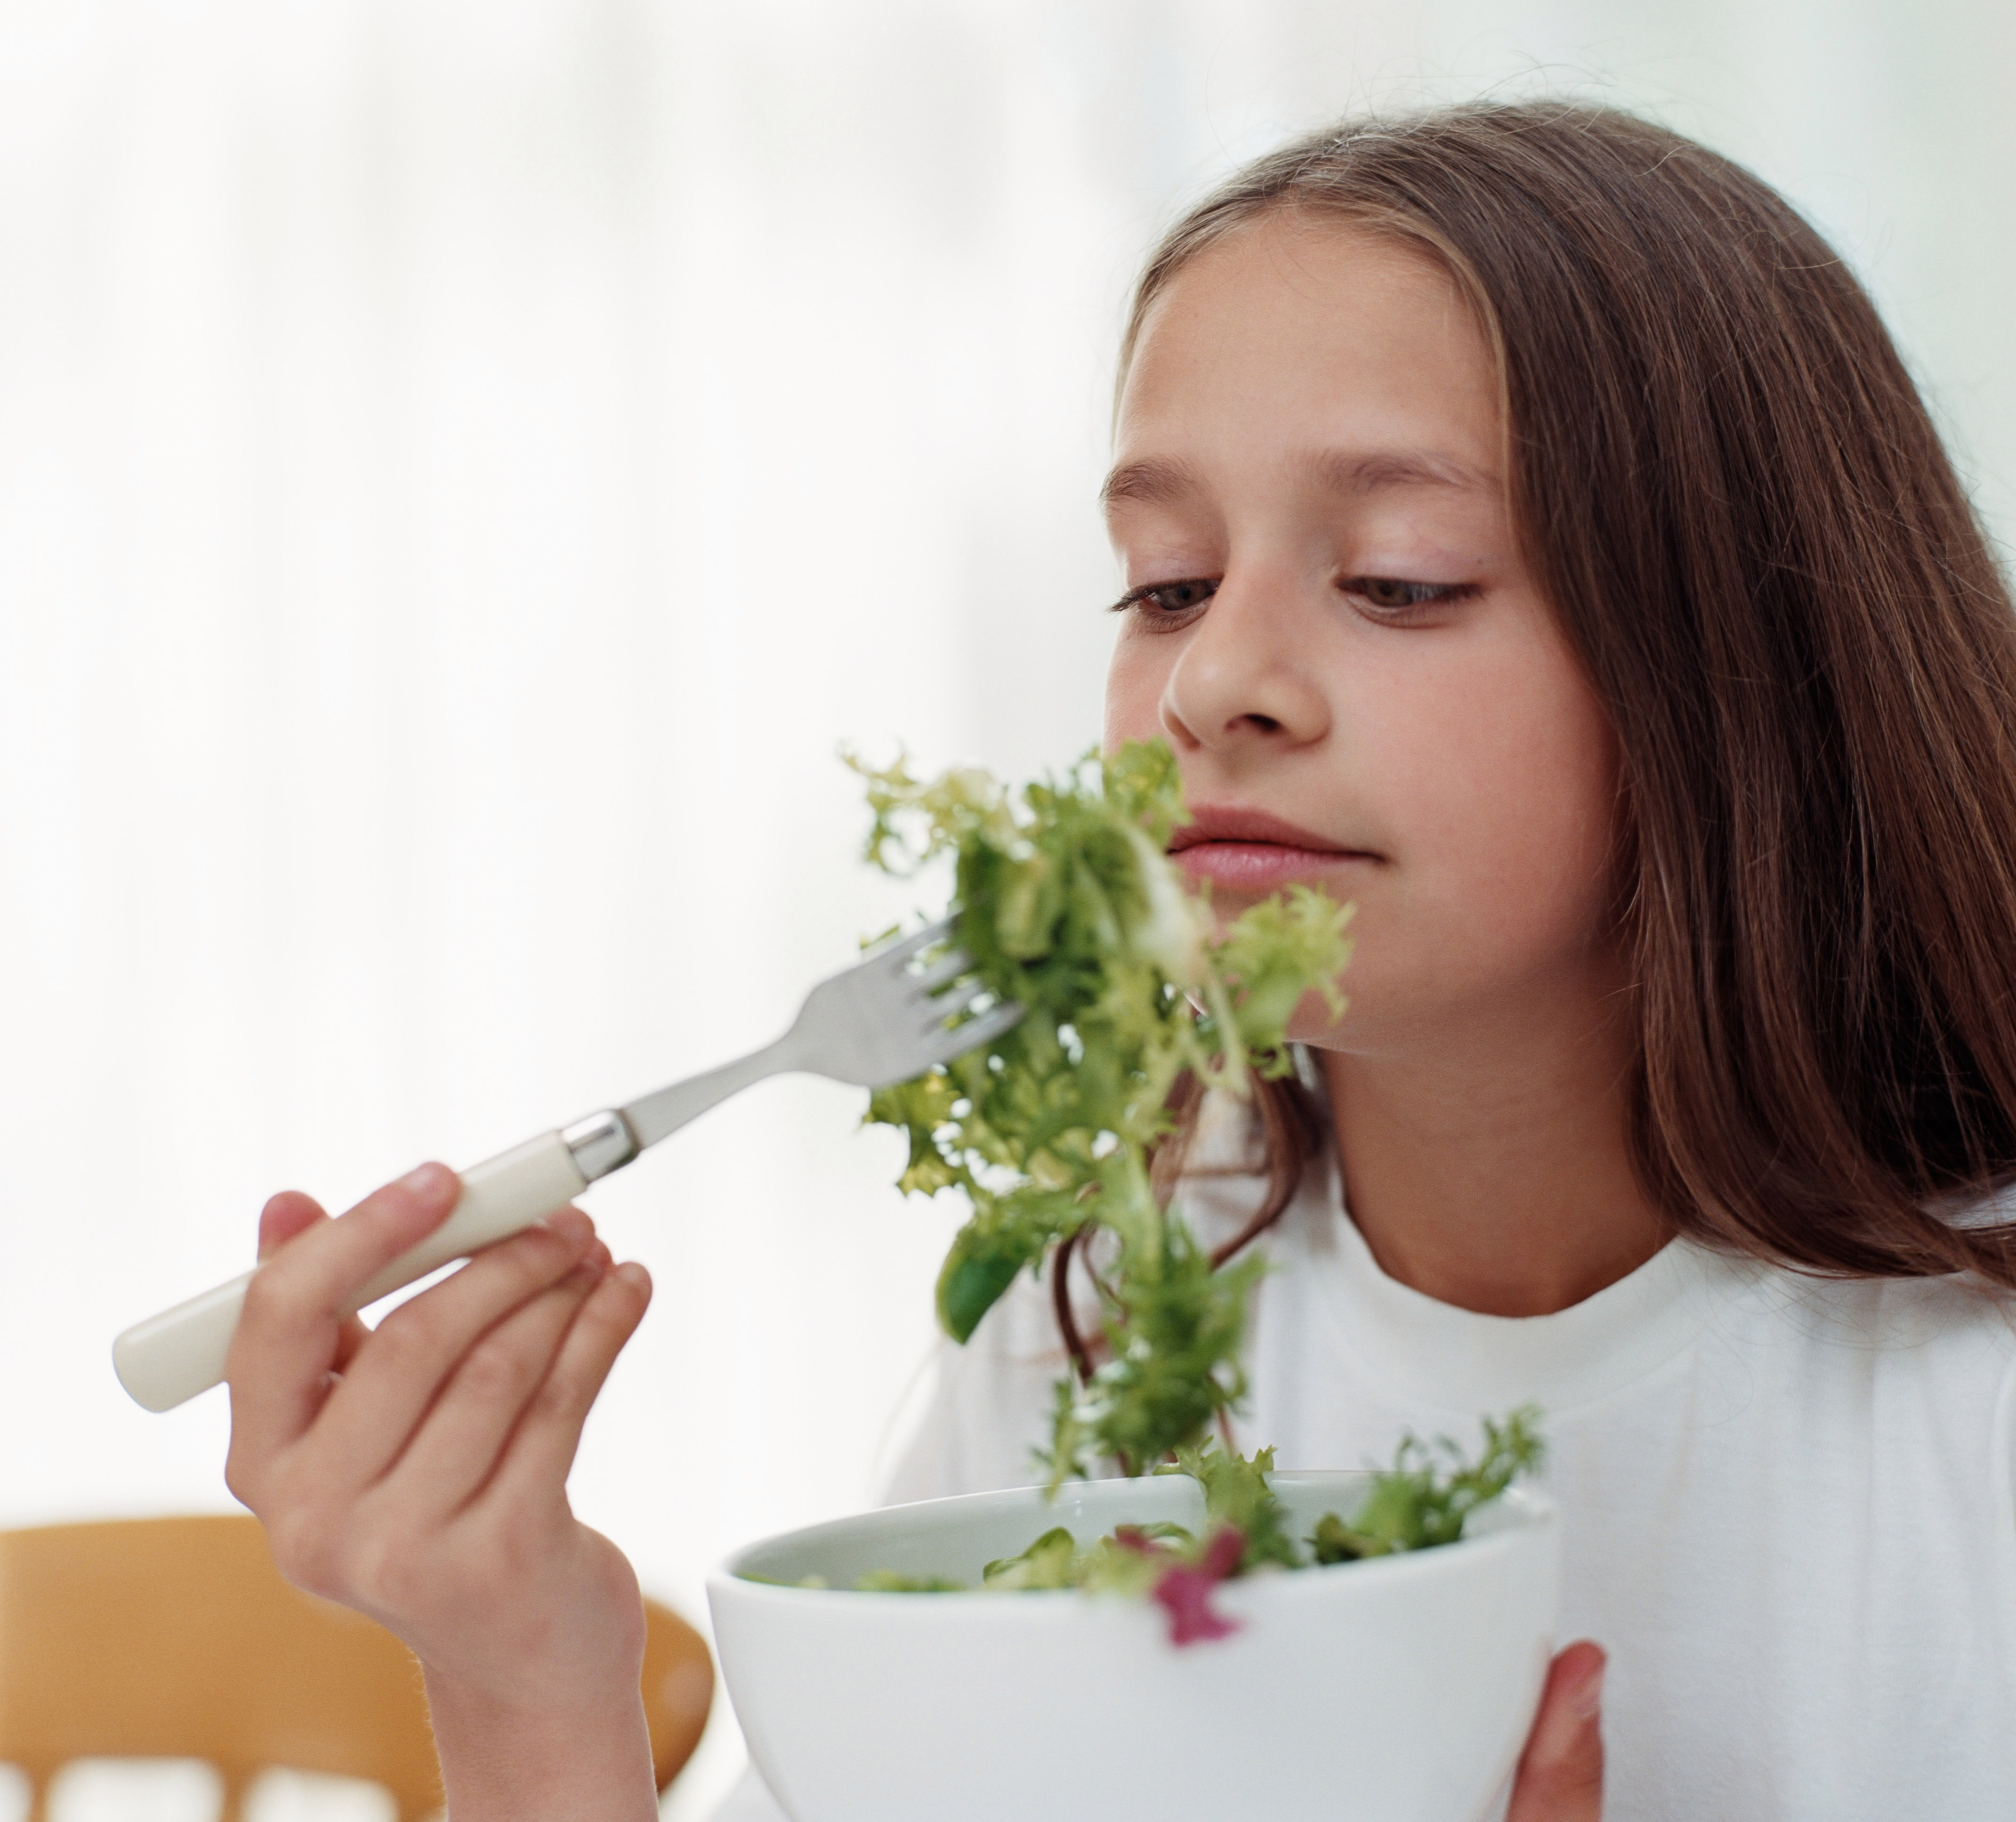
(1490, 1168)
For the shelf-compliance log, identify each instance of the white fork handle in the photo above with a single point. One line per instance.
(173, 1356)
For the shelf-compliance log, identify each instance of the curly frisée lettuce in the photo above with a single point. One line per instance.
(1067, 905)
(1419, 1503)
(1424, 1498)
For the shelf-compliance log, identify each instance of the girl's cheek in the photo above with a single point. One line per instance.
(1500, 792)
(1531, 863)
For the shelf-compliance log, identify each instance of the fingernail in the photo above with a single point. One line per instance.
(569, 1224)
(1588, 1700)
(635, 1276)
(430, 1182)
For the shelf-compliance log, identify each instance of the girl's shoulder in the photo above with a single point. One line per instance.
(1958, 1319)
(1961, 1308)
(1943, 1346)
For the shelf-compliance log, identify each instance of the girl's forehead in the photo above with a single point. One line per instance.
(1298, 263)
(1296, 330)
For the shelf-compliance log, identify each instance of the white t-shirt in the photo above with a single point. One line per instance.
(1788, 1505)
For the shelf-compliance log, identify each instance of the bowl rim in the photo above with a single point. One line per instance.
(1518, 1510)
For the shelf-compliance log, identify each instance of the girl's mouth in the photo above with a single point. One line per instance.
(1249, 851)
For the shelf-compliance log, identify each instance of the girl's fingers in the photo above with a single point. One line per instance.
(291, 1331)
(541, 1453)
(1560, 1774)
(456, 1448)
(349, 1338)
(286, 1217)
(365, 1424)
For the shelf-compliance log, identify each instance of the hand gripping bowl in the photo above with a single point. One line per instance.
(1395, 1690)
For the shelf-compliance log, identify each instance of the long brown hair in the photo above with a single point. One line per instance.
(1735, 503)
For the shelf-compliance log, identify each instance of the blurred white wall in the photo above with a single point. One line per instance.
(465, 467)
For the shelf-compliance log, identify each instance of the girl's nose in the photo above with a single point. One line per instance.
(1247, 673)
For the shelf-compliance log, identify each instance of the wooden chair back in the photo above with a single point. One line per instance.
(177, 1638)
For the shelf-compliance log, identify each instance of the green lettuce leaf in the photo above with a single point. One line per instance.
(1430, 1490)
(1068, 904)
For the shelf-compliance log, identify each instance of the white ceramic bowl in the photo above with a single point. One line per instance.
(1397, 1690)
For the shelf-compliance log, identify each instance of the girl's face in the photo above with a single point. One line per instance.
(1328, 618)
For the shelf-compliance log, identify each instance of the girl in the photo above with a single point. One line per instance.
(1531, 536)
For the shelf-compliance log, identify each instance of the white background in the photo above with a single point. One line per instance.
(464, 468)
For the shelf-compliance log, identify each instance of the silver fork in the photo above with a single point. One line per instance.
(891, 1016)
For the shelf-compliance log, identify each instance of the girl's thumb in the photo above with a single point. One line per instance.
(1561, 1773)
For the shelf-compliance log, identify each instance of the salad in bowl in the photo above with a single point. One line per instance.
(1159, 1627)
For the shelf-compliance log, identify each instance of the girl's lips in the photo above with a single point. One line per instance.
(1251, 851)
(1259, 866)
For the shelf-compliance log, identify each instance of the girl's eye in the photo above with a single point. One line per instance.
(1168, 600)
(1391, 595)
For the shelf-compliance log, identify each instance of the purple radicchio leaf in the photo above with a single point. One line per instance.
(1184, 1591)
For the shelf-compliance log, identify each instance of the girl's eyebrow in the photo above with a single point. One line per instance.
(1355, 473)
(1152, 482)
(1161, 480)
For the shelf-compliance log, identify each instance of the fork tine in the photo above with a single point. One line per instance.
(908, 946)
(937, 1011)
(956, 1040)
(948, 969)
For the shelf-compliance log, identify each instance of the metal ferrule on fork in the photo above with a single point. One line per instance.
(600, 1142)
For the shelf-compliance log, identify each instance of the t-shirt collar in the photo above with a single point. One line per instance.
(1464, 1362)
